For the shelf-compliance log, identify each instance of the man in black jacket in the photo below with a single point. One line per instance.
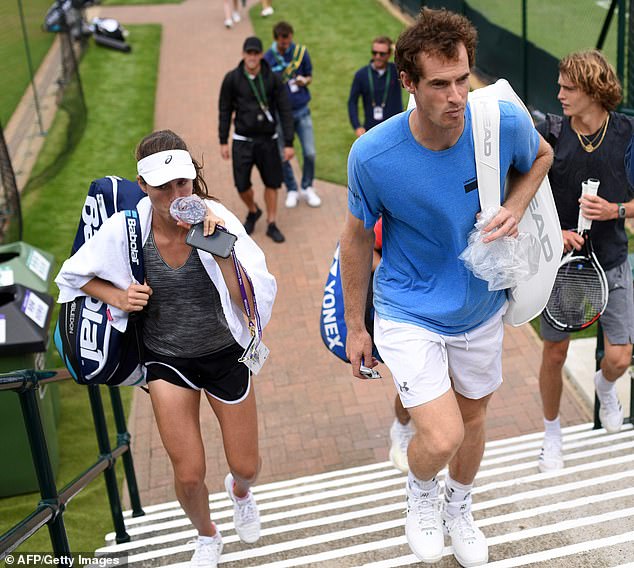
(255, 94)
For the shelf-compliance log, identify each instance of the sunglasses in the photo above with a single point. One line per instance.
(381, 53)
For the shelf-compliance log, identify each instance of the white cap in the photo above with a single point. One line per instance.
(162, 167)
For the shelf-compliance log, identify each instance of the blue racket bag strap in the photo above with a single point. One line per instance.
(135, 244)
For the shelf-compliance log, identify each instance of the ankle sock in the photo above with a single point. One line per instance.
(457, 497)
(427, 486)
(604, 386)
(552, 428)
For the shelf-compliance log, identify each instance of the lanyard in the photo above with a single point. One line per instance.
(289, 68)
(260, 94)
(245, 300)
(387, 84)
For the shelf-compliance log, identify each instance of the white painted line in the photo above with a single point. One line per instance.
(276, 530)
(580, 430)
(311, 510)
(183, 521)
(553, 490)
(275, 548)
(594, 482)
(577, 548)
(532, 464)
(536, 441)
(543, 556)
(535, 435)
(340, 490)
(568, 446)
(599, 464)
(520, 535)
(278, 485)
(380, 527)
(394, 477)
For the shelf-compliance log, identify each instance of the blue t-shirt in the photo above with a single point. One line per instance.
(429, 201)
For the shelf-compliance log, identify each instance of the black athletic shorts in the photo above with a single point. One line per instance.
(262, 153)
(220, 374)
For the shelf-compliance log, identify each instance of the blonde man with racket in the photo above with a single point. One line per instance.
(590, 141)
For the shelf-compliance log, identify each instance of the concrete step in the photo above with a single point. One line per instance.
(582, 515)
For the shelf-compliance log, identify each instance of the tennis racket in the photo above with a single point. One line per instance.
(580, 293)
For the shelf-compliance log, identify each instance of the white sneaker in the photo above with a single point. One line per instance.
(551, 456)
(291, 199)
(311, 197)
(236, 17)
(267, 11)
(610, 411)
(228, 23)
(400, 434)
(246, 518)
(423, 525)
(469, 543)
(207, 554)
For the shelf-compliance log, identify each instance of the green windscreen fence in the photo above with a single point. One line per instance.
(523, 40)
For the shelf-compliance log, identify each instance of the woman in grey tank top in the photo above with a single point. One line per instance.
(194, 334)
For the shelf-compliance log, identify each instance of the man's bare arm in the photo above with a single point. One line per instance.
(356, 265)
(521, 189)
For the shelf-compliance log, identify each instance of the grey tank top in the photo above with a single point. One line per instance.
(184, 317)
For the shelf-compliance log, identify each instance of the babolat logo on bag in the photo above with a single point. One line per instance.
(93, 350)
(132, 222)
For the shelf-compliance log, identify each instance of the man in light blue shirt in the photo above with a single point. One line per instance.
(434, 317)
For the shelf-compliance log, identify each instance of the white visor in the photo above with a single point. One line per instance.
(162, 167)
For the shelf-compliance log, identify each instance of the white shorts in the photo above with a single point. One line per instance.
(421, 361)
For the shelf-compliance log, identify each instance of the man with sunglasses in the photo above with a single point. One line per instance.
(378, 85)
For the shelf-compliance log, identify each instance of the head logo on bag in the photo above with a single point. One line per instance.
(93, 351)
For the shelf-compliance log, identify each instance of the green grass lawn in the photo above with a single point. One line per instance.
(121, 109)
(558, 27)
(13, 56)
(338, 36)
(130, 2)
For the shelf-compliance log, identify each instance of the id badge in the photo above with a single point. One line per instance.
(292, 85)
(255, 355)
(378, 113)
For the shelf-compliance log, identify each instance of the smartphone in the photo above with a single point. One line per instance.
(219, 243)
(369, 373)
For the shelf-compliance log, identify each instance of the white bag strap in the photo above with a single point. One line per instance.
(485, 120)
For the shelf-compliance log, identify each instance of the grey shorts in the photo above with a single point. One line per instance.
(618, 319)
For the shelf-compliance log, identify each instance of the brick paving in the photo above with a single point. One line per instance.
(313, 417)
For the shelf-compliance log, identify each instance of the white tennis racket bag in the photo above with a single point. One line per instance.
(528, 299)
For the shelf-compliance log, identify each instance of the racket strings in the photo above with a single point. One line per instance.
(579, 295)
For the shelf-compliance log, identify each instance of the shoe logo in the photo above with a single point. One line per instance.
(403, 387)
(168, 159)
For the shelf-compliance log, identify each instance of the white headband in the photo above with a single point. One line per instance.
(162, 167)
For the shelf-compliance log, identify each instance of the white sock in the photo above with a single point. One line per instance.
(603, 385)
(457, 497)
(426, 486)
(552, 428)
(208, 539)
(402, 427)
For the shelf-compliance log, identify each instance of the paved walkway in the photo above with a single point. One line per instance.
(313, 416)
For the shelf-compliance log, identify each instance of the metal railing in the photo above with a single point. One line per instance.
(50, 510)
